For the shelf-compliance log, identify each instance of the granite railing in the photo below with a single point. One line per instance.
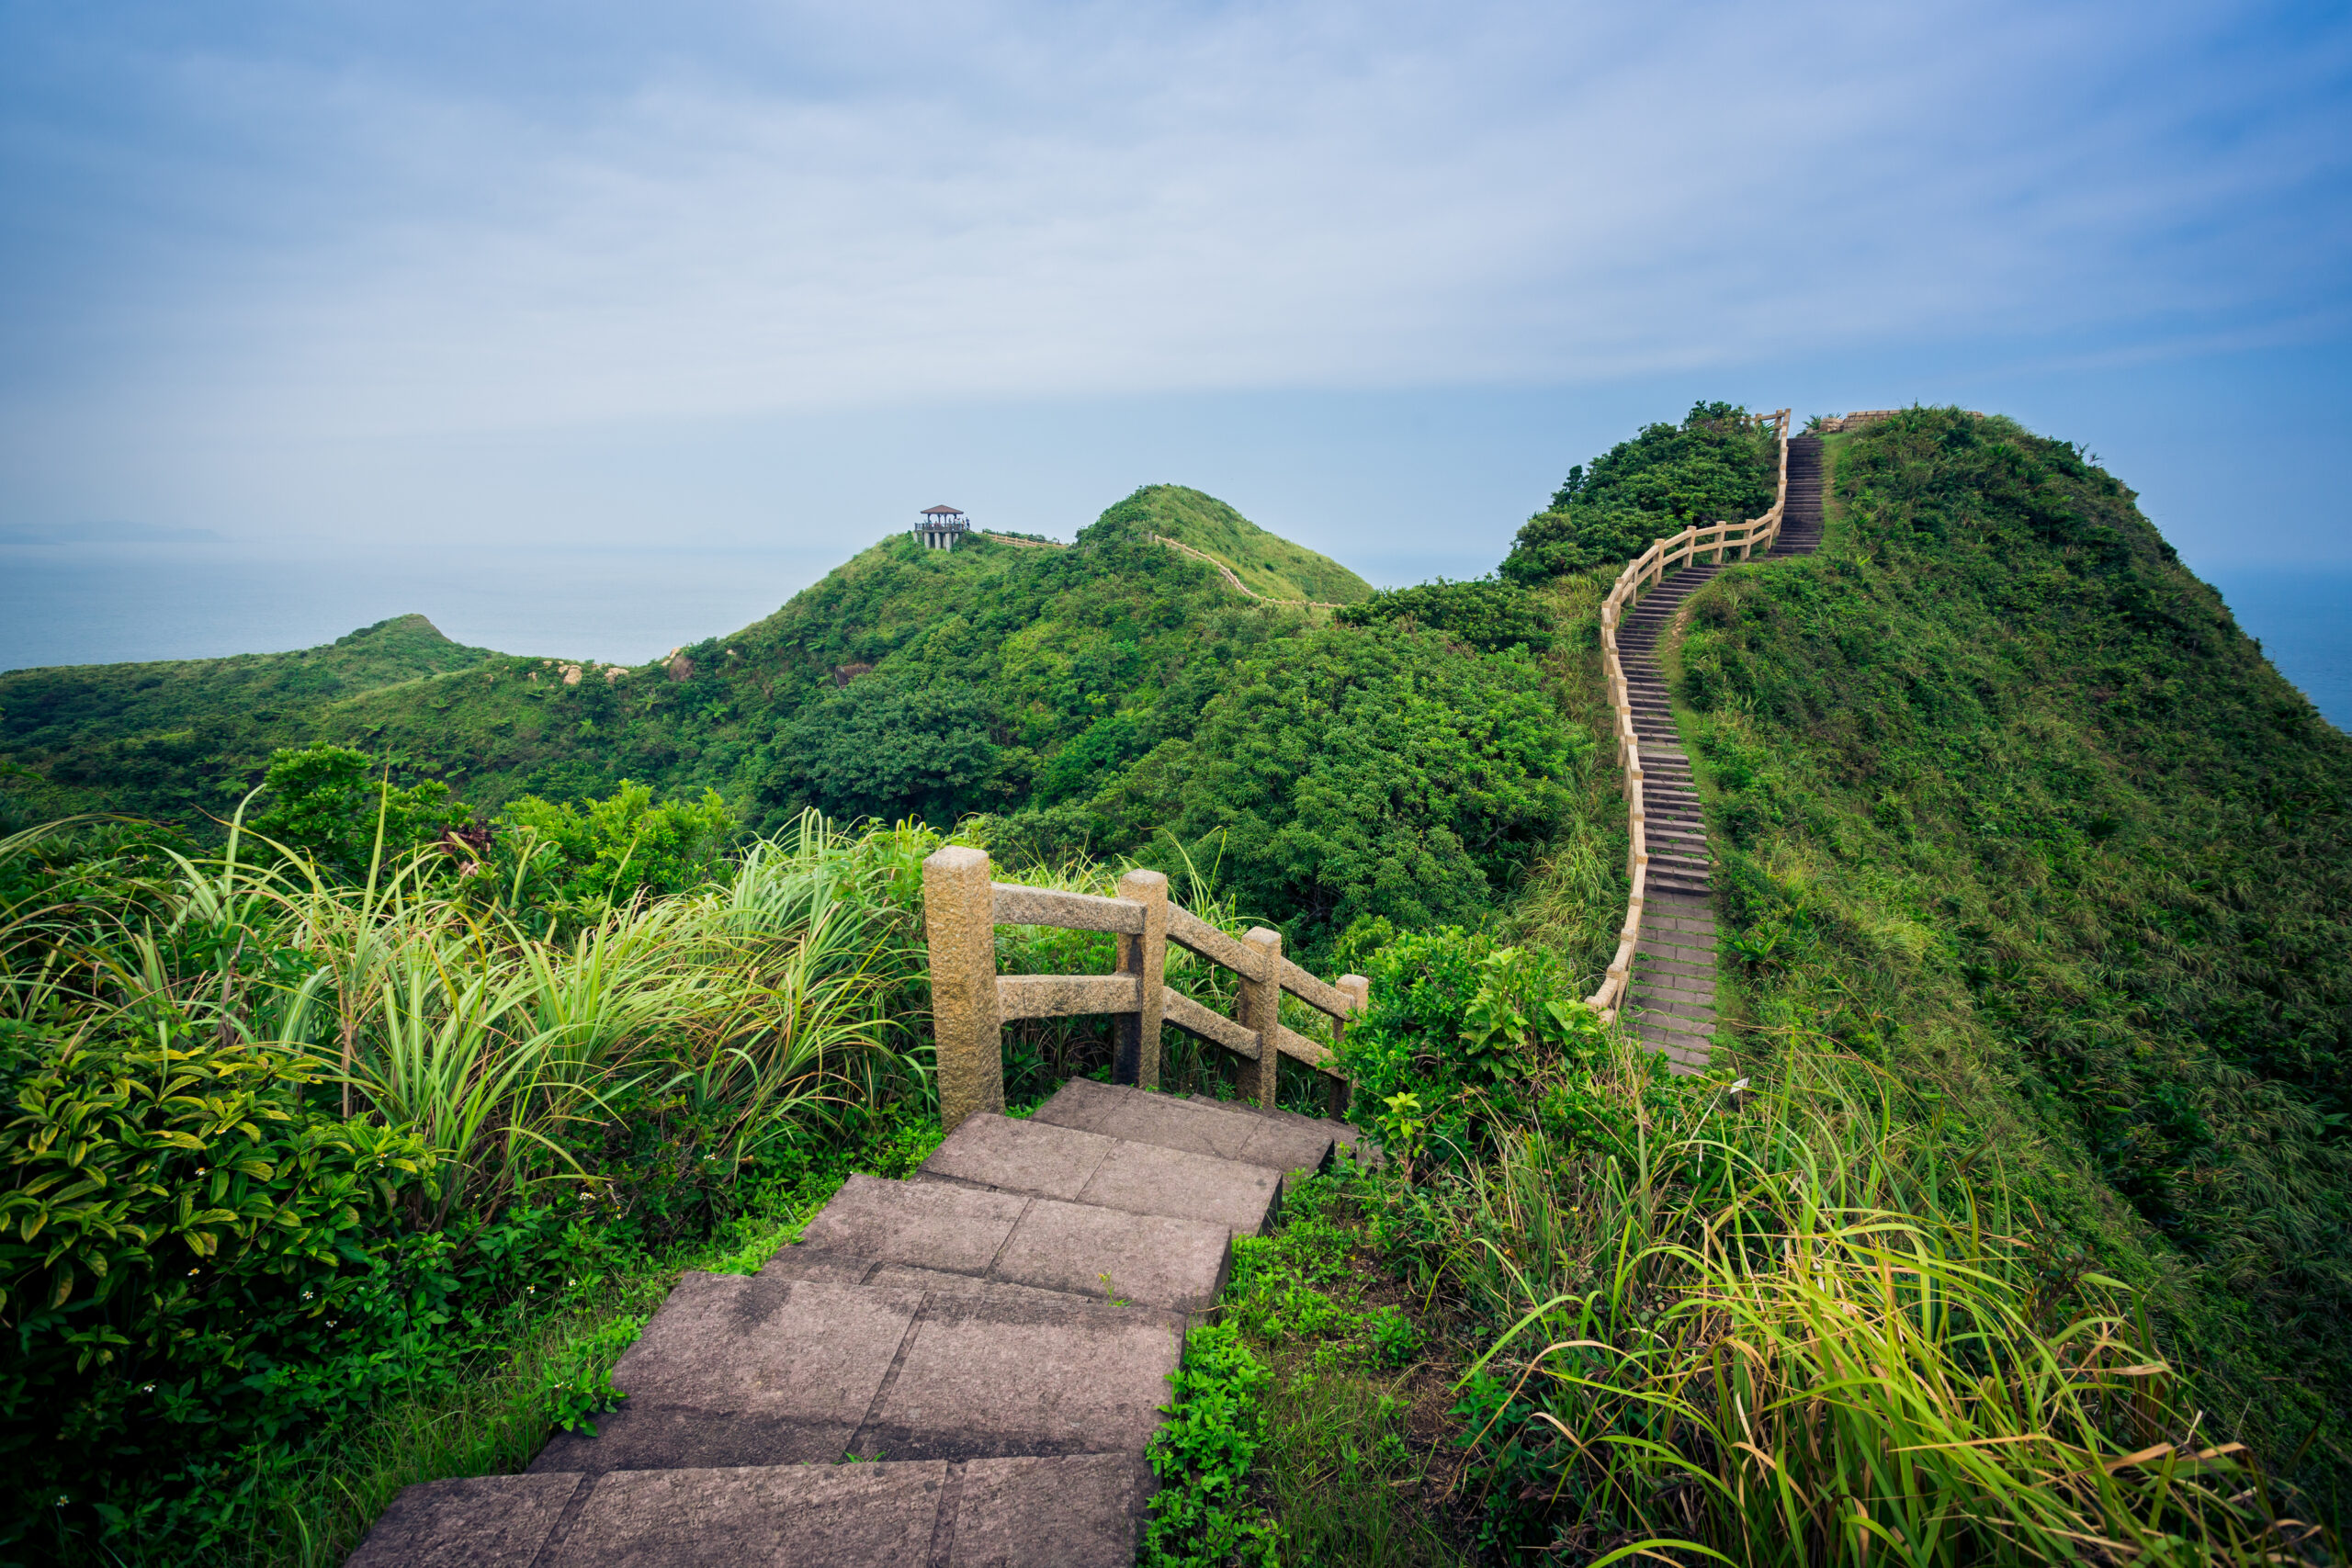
(1717, 541)
(970, 1001)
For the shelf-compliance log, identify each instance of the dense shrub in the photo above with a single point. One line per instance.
(1711, 467)
(1487, 616)
(1350, 772)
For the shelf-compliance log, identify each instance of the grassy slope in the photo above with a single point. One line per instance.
(1058, 638)
(64, 708)
(1266, 563)
(2006, 800)
(133, 736)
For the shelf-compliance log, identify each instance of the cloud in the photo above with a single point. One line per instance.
(745, 209)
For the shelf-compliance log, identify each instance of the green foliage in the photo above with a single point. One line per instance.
(179, 1220)
(580, 1383)
(885, 750)
(1458, 1029)
(1488, 615)
(1266, 563)
(584, 863)
(1795, 1331)
(2004, 798)
(142, 737)
(323, 803)
(1379, 771)
(1203, 1455)
(1711, 467)
(281, 1149)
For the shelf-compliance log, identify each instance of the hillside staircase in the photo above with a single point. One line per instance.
(1671, 995)
(957, 1369)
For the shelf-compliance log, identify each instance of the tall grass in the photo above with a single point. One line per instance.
(1777, 1328)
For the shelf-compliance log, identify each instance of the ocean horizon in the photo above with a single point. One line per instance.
(115, 604)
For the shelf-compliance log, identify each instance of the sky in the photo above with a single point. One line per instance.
(461, 284)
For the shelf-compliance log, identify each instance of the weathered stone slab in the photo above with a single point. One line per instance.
(1340, 1133)
(1202, 1127)
(938, 1225)
(818, 1516)
(485, 1521)
(745, 1371)
(1144, 1179)
(1151, 1259)
(998, 1375)
(1084, 1511)
(1018, 1156)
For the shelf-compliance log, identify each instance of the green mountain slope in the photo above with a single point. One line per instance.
(1266, 563)
(121, 737)
(2009, 803)
(1011, 656)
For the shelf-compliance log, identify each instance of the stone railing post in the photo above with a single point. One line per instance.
(1145, 957)
(1262, 1010)
(1358, 991)
(959, 924)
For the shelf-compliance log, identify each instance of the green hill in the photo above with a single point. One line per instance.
(2010, 804)
(1266, 563)
(1006, 677)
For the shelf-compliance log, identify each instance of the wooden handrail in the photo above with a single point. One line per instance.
(1649, 567)
(971, 1002)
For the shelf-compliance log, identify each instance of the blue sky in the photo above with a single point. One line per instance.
(430, 278)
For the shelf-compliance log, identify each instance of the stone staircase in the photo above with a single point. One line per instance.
(1671, 998)
(959, 1370)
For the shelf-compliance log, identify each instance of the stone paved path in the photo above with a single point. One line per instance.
(960, 1371)
(1671, 998)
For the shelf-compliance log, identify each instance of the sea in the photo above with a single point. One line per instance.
(102, 603)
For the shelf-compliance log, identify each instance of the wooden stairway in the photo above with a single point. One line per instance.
(1671, 998)
(963, 1369)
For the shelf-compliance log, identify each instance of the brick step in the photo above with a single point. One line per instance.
(915, 1232)
(770, 1370)
(1068, 1511)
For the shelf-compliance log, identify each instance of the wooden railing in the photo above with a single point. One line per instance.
(1717, 540)
(970, 1002)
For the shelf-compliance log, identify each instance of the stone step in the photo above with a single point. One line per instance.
(1340, 1132)
(1069, 1511)
(1042, 1160)
(913, 1230)
(769, 1371)
(1197, 1126)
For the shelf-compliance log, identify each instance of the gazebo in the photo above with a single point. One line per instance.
(940, 527)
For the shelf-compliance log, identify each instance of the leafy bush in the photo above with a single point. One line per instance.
(1458, 1029)
(583, 863)
(1711, 467)
(1380, 772)
(180, 1221)
(1202, 1517)
(1487, 616)
(321, 803)
(888, 749)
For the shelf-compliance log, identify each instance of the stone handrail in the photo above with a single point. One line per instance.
(970, 1001)
(1718, 539)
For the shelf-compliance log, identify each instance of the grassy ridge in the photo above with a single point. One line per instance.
(2007, 803)
(126, 735)
(1266, 563)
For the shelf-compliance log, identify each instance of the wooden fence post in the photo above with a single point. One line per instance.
(959, 924)
(1358, 991)
(1261, 1009)
(1145, 957)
